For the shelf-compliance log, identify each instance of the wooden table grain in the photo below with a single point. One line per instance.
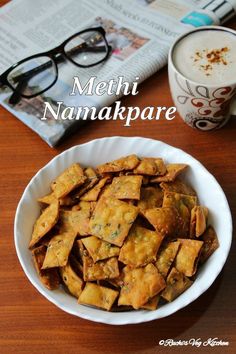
(31, 324)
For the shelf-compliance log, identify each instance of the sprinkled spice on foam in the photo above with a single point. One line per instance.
(209, 58)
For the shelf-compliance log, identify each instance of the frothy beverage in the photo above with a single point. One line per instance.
(207, 57)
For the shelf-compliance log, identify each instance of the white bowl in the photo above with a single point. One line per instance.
(106, 149)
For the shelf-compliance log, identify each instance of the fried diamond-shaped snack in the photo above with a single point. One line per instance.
(71, 178)
(151, 197)
(188, 256)
(98, 296)
(173, 170)
(91, 175)
(151, 166)
(152, 303)
(48, 199)
(198, 221)
(211, 243)
(64, 220)
(178, 186)
(122, 164)
(177, 199)
(126, 187)
(112, 220)
(118, 282)
(49, 277)
(92, 194)
(164, 220)
(51, 198)
(106, 191)
(106, 269)
(71, 280)
(176, 284)
(99, 249)
(45, 223)
(76, 219)
(140, 285)
(93, 206)
(91, 181)
(183, 204)
(58, 250)
(140, 247)
(166, 257)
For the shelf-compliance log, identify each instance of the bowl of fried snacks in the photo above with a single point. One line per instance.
(123, 230)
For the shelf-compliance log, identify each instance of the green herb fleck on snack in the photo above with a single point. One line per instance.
(115, 234)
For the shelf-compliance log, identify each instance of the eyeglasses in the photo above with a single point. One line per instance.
(36, 74)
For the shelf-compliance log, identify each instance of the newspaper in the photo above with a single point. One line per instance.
(139, 31)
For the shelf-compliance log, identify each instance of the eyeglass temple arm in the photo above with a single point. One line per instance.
(30, 73)
(16, 96)
(59, 59)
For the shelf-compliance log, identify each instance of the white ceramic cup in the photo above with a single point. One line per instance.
(202, 106)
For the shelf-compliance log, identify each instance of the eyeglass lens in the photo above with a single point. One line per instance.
(33, 75)
(87, 48)
(36, 75)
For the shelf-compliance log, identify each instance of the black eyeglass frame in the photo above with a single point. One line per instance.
(52, 55)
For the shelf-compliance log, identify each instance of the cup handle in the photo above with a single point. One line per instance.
(233, 107)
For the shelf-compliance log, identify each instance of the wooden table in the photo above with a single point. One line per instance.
(31, 324)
